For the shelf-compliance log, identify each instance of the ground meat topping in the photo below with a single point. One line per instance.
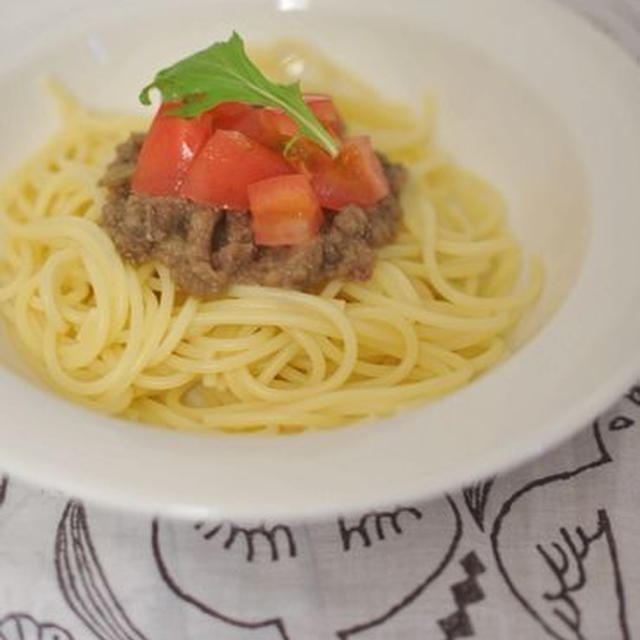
(208, 248)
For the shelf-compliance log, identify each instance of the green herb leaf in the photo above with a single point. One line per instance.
(224, 72)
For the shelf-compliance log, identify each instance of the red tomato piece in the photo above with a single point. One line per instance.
(250, 125)
(273, 127)
(168, 151)
(356, 176)
(284, 210)
(307, 157)
(227, 164)
(325, 110)
(226, 115)
(270, 127)
(280, 122)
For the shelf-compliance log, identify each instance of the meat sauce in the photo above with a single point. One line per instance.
(209, 248)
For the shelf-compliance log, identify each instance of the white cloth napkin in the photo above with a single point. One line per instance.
(550, 550)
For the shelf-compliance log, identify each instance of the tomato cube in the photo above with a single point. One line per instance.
(270, 127)
(325, 110)
(356, 176)
(307, 157)
(168, 151)
(226, 115)
(274, 128)
(227, 164)
(284, 210)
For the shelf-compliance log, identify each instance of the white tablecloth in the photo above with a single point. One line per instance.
(550, 550)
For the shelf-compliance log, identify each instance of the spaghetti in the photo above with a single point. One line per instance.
(122, 339)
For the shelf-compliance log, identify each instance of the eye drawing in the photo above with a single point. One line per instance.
(375, 523)
(278, 541)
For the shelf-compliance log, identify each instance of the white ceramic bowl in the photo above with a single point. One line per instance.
(531, 96)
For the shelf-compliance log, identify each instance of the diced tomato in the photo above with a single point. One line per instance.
(325, 110)
(284, 210)
(354, 177)
(270, 127)
(226, 115)
(168, 151)
(226, 165)
(307, 157)
(250, 125)
(280, 122)
(273, 127)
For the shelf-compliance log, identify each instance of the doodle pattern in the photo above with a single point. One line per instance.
(578, 547)
(276, 548)
(465, 593)
(633, 395)
(168, 578)
(378, 519)
(569, 553)
(476, 498)
(82, 580)
(21, 626)
(420, 588)
(252, 536)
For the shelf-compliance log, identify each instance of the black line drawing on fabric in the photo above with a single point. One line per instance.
(195, 565)
(181, 593)
(375, 521)
(22, 626)
(4, 483)
(278, 539)
(633, 395)
(565, 559)
(83, 582)
(465, 593)
(572, 551)
(621, 422)
(476, 498)
(417, 591)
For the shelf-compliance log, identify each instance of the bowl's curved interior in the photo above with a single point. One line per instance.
(552, 126)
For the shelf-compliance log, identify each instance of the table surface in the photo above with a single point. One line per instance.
(549, 550)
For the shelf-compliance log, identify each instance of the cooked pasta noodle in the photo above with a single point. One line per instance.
(121, 339)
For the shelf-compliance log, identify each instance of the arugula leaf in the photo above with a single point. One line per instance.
(224, 72)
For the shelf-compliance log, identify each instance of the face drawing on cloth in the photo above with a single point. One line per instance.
(247, 575)
(584, 555)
